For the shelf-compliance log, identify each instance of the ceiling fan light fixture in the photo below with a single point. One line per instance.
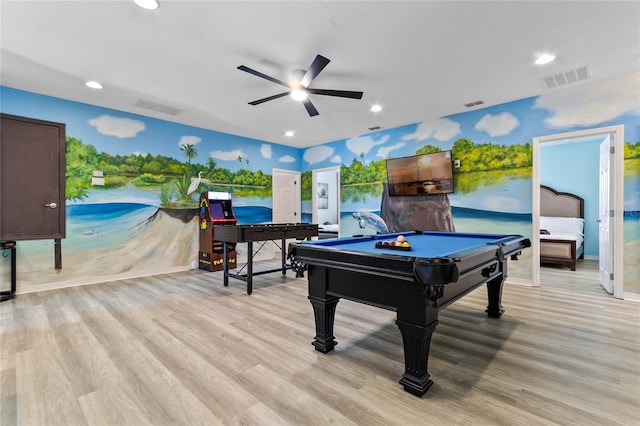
(299, 94)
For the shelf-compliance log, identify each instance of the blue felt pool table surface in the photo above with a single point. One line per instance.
(423, 244)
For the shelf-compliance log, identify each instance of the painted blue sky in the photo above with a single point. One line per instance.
(581, 107)
(121, 133)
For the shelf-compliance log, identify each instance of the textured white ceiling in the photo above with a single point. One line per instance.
(420, 59)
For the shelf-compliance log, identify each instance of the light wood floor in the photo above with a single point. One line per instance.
(182, 349)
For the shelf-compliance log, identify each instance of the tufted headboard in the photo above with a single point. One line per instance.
(560, 204)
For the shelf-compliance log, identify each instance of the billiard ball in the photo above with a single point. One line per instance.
(401, 239)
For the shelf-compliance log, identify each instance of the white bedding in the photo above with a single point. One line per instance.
(562, 225)
(329, 228)
(579, 239)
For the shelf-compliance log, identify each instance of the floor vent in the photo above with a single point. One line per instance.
(155, 106)
(567, 77)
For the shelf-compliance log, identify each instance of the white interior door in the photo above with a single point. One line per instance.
(605, 251)
(286, 196)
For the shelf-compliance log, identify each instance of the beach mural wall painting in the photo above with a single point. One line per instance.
(140, 214)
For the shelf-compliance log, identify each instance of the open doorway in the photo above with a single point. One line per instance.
(610, 253)
(325, 201)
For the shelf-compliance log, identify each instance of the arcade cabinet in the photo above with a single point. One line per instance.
(215, 209)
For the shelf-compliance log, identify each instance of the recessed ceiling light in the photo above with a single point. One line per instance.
(147, 4)
(289, 133)
(545, 58)
(376, 108)
(94, 84)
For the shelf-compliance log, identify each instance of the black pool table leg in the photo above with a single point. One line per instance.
(416, 340)
(324, 310)
(494, 294)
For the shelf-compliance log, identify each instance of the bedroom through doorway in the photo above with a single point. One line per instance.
(554, 159)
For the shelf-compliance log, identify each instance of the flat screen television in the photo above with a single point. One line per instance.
(420, 174)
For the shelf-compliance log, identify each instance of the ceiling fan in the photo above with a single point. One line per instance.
(299, 86)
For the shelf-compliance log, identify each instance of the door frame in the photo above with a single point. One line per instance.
(314, 193)
(616, 202)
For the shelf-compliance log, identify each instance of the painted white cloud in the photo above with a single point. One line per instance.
(363, 144)
(119, 127)
(286, 159)
(189, 140)
(317, 154)
(265, 150)
(593, 104)
(227, 155)
(497, 125)
(442, 129)
(336, 159)
(383, 151)
(139, 154)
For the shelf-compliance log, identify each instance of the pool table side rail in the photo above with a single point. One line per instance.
(403, 265)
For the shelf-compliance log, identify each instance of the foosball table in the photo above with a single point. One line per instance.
(232, 234)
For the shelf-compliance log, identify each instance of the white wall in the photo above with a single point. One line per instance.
(330, 214)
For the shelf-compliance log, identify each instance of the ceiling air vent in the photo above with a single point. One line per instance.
(375, 128)
(472, 104)
(155, 106)
(567, 77)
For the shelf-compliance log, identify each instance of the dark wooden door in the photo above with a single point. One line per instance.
(32, 179)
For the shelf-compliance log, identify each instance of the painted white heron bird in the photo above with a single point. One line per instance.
(195, 183)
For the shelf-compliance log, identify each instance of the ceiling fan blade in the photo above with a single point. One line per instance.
(339, 93)
(317, 65)
(270, 98)
(259, 74)
(310, 108)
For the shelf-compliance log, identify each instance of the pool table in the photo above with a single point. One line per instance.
(417, 281)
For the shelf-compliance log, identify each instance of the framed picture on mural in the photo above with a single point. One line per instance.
(323, 196)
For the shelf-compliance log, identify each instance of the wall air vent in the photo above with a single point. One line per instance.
(155, 106)
(567, 77)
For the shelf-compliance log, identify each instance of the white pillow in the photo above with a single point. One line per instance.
(574, 225)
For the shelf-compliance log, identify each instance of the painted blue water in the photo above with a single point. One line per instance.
(113, 213)
(88, 221)
(90, 225)
(252, 214)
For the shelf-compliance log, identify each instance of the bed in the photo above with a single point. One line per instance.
(328, 230)
(561, 227)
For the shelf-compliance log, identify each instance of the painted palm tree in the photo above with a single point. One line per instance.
(189, 152)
